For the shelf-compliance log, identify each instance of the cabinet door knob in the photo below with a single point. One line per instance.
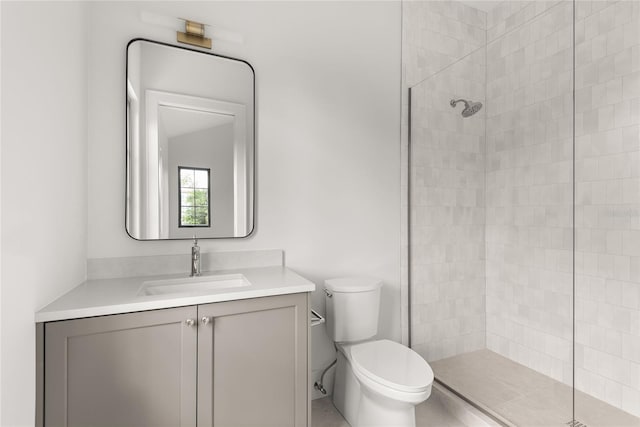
(190, 322)
(206, 320)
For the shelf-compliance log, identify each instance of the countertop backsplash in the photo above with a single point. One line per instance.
(136, 266)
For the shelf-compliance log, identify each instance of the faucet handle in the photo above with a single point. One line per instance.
(195, 240)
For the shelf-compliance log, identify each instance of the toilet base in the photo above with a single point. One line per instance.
(362, 407)
(378, 411)
(346, 390)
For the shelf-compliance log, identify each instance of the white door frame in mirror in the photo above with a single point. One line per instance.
(133, 153)
(157, 221)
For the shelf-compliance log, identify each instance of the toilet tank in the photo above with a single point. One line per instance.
(352, 306)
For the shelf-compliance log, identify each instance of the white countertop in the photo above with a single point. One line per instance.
(115, 296)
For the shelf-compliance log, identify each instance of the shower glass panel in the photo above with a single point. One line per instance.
(491, 217)
(607, 155)
(447, 201)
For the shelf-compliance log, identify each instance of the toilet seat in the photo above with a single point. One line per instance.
(392, 365)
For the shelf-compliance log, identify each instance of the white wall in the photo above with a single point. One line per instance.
(328, 80)
(328, 127)
(0, 220)
(44, 186)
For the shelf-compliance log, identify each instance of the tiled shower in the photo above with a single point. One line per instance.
(524, 219)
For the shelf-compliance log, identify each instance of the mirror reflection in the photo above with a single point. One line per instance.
(190, 143)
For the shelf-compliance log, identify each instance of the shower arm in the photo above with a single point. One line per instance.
(454, 102)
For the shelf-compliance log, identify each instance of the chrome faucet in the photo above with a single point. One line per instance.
(195, 258)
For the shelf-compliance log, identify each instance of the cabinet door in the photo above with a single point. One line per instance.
(136, 369)
(252, 362)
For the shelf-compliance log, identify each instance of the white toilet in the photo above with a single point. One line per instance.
(378, 382)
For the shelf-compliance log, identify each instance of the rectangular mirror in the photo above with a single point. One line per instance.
(190, 143)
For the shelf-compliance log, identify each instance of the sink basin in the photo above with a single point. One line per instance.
(193, 285)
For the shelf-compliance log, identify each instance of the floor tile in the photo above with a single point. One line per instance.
(431, 413)
(324, 414)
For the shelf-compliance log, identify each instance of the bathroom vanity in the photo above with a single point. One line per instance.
(223, 349)
(228, 348)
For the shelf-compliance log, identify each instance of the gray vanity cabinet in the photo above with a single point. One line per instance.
(136, 369)
(252, 362)
(235, 363)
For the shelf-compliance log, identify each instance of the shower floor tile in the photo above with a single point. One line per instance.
(520, 396)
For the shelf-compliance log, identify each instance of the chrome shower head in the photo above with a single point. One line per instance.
(470, 107)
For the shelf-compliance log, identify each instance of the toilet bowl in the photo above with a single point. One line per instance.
(377, 382)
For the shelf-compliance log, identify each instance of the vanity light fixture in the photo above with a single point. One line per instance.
(177, 24)
(194, 34)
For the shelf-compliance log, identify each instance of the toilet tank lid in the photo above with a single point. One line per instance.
(352, 284)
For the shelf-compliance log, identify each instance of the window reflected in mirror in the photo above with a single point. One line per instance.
(194, 197)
